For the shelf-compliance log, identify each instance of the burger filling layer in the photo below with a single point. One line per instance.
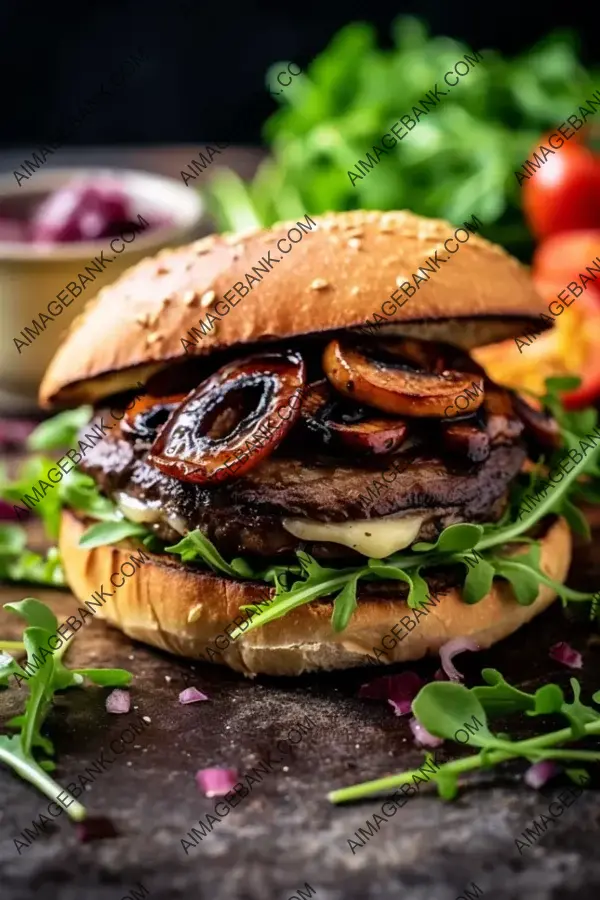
(345, 449)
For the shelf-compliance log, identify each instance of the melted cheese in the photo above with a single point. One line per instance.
(137, 510)
(376, 538)
(148, 513)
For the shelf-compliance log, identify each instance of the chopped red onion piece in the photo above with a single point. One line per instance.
(191, 695)
(94, 828)
(451, 649)
(539, 773)
(118, 701)
(565, 654)
(422, 736)
(399, 690)
(216, 782)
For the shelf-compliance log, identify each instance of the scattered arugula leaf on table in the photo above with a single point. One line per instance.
(28, 752)
(444, 708)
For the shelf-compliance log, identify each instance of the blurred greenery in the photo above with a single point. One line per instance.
(461, 158)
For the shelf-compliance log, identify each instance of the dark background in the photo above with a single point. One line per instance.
(204, 73)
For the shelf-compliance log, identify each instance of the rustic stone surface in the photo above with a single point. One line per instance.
(285, 833)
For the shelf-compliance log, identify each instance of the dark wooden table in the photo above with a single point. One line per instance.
(285, 833)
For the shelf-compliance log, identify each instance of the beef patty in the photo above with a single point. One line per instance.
(244, 516)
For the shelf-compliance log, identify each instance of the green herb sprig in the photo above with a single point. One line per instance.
(444, 707)
(29, 752)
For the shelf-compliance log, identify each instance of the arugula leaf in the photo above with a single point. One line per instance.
(105, 677)
(18, 564)
(103, 533)
(302, 592)
(498, 697)
(547, 700)
(60, 431)
(12, 541)
(447, 708)
(578, 713)
(443, 708)
(48, 508)
(35, 569)
(35, 613)
(344, 605)
(523, 580)
(195, 546)
(75, 490)
(478, 582)
(19, 752)
(461, 536)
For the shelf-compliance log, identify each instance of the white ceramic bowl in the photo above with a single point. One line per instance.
(32, 275)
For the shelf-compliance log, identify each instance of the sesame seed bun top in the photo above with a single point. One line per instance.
(324, 273)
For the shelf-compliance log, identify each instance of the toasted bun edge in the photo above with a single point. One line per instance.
(169, 606)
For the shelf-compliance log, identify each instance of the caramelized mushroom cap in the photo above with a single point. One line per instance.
(347, 428)
(398, 384)
(232, 421)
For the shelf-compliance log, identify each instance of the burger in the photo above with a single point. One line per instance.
(320, 473)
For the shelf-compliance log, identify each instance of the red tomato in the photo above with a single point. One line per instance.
(566, 255)
(562, 257)
(564, 194)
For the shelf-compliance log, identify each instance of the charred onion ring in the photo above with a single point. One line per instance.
(394, 384)
(232, 421)
(149, 414)
(542, 427)
(351, 428)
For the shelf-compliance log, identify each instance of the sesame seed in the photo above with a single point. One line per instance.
(354, 242)
(146, 719)
(318, 284)
(207, 299)
(355, 290)
(194, 613)
(190, 298)
(152, 338)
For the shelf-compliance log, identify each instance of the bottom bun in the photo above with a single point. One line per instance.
(170, 606)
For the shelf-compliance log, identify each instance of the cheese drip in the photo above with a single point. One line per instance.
(376, 538)
(148, 513)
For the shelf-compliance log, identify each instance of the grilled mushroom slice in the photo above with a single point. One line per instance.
(232, 421)
(409, 378)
